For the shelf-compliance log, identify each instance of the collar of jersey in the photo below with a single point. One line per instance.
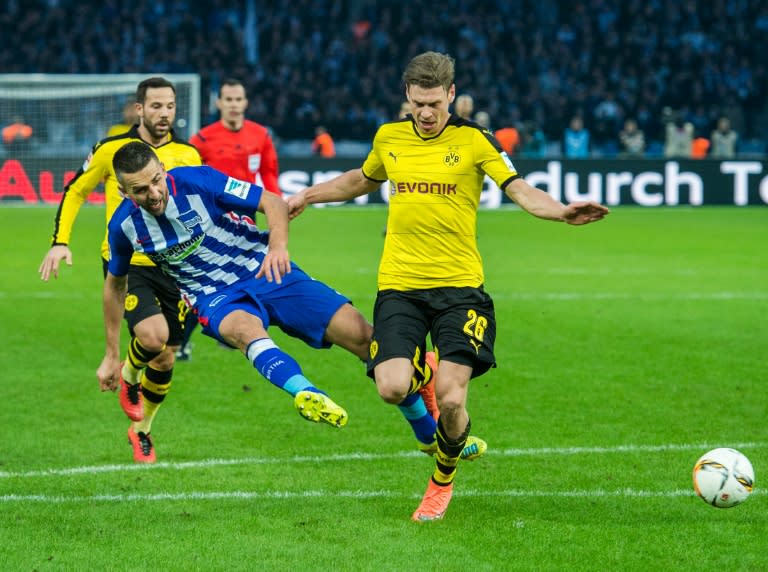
(453, 121)
(134, 132)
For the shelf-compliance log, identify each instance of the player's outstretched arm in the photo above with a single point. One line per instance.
(75, 194)
(114, 303)
(345, 187)
(584, 212)
(540, 204)
(277, 261)
(296, 204)
(50, 263)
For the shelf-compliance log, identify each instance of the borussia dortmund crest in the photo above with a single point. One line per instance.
(452, 158)
(374, 348)
(131, 301)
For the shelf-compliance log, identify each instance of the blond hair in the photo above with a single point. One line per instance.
(430, 69)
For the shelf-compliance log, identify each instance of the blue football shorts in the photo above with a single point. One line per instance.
(300, 306)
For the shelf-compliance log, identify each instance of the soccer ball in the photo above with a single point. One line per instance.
(723, 477)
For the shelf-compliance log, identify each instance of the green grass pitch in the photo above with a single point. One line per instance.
(625, 350)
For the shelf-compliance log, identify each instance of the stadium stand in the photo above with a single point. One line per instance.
(337, 62)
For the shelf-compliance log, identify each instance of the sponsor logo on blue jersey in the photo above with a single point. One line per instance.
(190, 219)
(237, 187)
(177, 252)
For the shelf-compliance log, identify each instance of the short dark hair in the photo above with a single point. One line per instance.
(232, 82)
(132, 158)
(430, 69)
(149, 83)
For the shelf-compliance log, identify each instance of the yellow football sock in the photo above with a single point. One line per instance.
(445, 467)
(137, 359)
(150, 410)
(130, 373)
(448, 453)
(155, 385)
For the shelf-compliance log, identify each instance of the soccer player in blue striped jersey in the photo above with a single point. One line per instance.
(195, 223)
(154, 312)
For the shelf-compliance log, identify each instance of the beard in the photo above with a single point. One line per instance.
(155, 130)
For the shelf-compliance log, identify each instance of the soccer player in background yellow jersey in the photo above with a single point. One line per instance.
(130, 118)
(153, 309)
(431, 275)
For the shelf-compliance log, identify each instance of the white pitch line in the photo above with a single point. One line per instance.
(358, 494)
(624, 449)
(208, 463)
(510, 452)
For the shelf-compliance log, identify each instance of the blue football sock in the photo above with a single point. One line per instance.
(415, 412)
(280, 369)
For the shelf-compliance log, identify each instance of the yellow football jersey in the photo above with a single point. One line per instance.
(118, 129)
(97, 168)
(435, 186)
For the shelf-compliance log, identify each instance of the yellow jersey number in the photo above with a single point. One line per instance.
(475, 329)
(183, 311)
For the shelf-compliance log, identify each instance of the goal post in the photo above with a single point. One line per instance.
(68, 114)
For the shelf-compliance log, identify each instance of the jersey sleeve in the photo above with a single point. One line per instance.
(94, 170)
(493, 160)
(120, 250)
(268, 169)
(227, 193)
(373, 167)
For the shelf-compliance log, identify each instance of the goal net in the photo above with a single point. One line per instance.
(68, 114)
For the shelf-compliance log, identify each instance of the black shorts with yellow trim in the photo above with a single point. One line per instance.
(152, 292)
(460, 321)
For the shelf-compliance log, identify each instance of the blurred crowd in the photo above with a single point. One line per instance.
(539, 66)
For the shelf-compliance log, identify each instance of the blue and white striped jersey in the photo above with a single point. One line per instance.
(206, 240)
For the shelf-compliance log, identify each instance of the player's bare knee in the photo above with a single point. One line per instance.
(240, 328)
(393, 397)
(152, 340)
(241, 340)
(391, 392)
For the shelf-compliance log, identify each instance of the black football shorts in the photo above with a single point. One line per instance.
(460, 321)
(151, 292)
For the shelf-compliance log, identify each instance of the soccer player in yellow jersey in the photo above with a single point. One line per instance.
(431, 275)
(129, 120)
(153, 309)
